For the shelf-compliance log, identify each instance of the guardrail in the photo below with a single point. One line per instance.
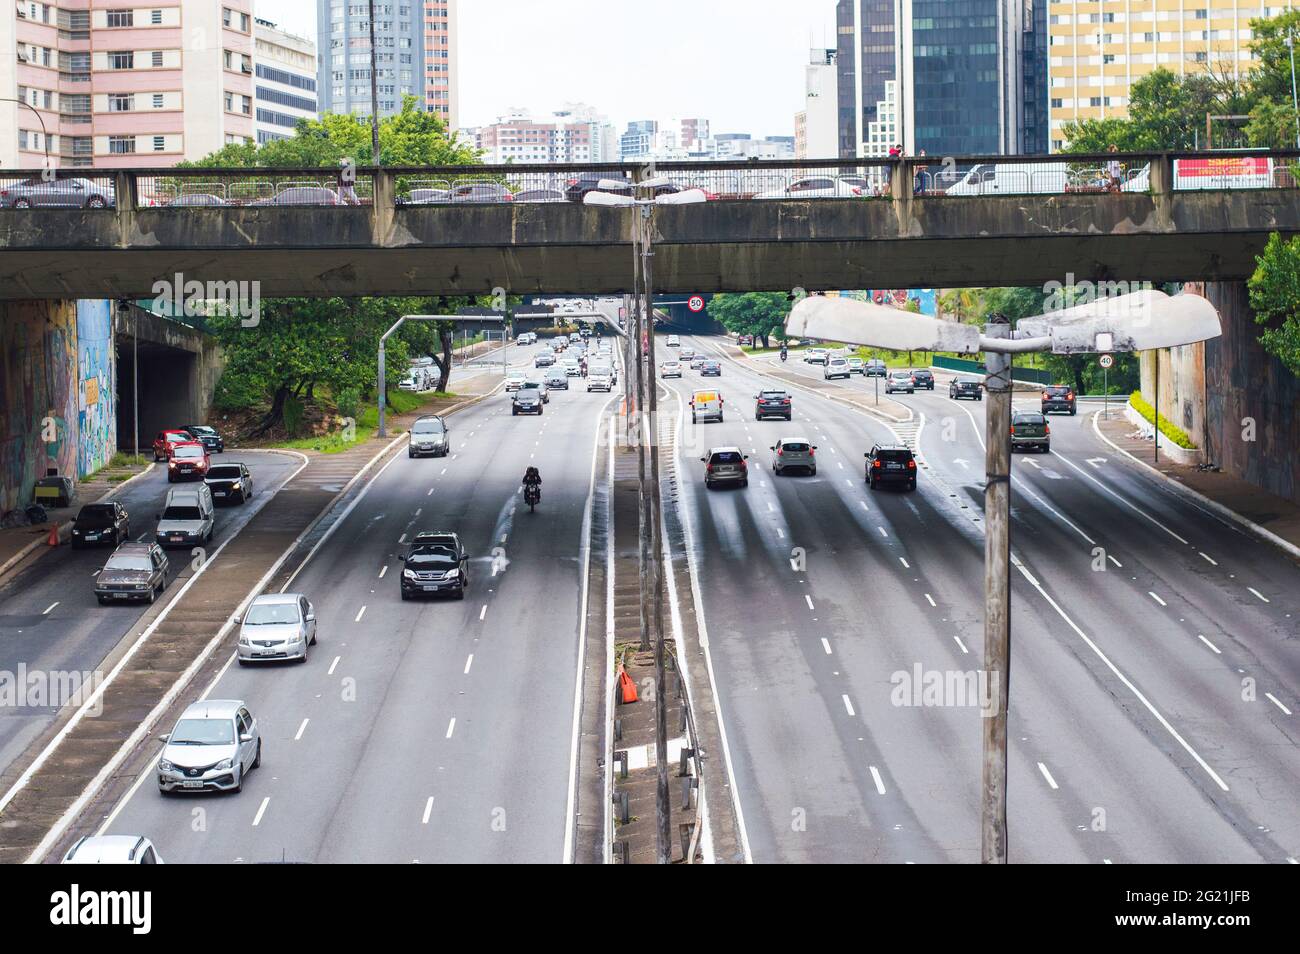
(916, 177)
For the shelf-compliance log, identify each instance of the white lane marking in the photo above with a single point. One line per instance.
(401, 540)
(47, 609)
(428, 810)
(1156, 598)
(961, 644)
(361, 612)
(826, 645)
(864, 505)
(1113, 560)
(482, 612)
(468, 662)
(1251, 588)
(840, 464)
(333, 665)
(444, 470)
(875, 777)
(419, 510)
(770, 508)
(1124, 501)
(1274, 699)
(261, 810)
(451, 727)
(848, 705)
(1213, 562)
(382, 571)
(904, 562)
(1216, 649)
(429, 492)
(883, 531)
(930, 599)
(780, 533)
(809, 600)
(1047, 775)
(301, 729)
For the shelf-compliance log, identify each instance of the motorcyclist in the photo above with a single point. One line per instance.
(532, 478)
(784, 353)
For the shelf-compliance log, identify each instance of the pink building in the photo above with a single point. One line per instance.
(440, 73)
(114, 83)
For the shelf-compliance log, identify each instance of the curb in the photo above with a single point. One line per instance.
(1199, 498)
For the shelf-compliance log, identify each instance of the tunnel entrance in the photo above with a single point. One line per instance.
(166, 383)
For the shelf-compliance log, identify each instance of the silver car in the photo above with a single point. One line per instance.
(216, 743)
(794, 453)
(277, 626)
(112, 850)
(900, 381)
(557, 379)
(57, 194)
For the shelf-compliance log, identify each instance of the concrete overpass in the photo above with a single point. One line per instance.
(911, 235)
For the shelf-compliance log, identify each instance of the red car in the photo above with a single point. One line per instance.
(189, 461)
(166, 441)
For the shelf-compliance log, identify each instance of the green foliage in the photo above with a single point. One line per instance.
(348, 402)
(761, 314)
(293, 414)
(1167, 427)
(1270, 80)
(1275, 299)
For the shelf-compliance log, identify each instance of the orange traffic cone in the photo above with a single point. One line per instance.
(627, 688)
(54, 535)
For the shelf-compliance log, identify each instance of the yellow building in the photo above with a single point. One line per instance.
(1098, 48)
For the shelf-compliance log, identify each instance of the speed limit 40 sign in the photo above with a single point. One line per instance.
(1106, 360)
(696, 303)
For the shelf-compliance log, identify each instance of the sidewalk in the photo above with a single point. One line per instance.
(1229, 495)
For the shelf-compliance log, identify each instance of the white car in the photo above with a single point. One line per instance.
(670, 369)
(112, 850)
(815, 356)
(815, 187)
(571, 367)
(674, 341)
(515, 380)
(836, 366)
(407, 384)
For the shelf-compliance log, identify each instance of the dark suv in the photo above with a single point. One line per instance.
(772, 403)
(209, 437)
(923, 378)
(1059, 397)
(966, 388)
(135, 571)
(101, 523)
(890, 464)
(437, 562)
(527, 400)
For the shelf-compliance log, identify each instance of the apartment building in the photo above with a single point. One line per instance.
(1099, 48)
(123, 85)
(284, 68)
(441, 84)
(343, 40)
(816, 126)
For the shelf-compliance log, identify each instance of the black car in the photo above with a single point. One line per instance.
(230, 482)
(875, 368)
(576, 189)
(923, 378)
(209, 437)
(436, 563)
(135, 571)
(966, 388)
(891, 464)
(710, 369)
(527, 400)
(101, 523)
(772, 403)
(1059, 397)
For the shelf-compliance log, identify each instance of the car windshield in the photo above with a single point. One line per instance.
(431, 556)
(1058, 390)
(95, 515)
(224, 472)
(189, 452)
(895, 454)
(128, 561)
(182, 513)
(203, 732)
(726, 457)
(262, 614)
(201, 429)
(427, 427)
(772, 395)
(1029, 419)
(795, 446)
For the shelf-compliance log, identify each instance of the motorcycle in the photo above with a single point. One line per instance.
(784, 356)
(532, 496)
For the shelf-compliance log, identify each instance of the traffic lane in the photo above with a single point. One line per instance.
(50, 620)
(1172, 843)
(323, 762)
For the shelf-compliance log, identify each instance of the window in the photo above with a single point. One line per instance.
(157, 100)
(121, 61)
(121, 18)
(121, 145)
(157, 58)
(155, 17)
(121, 102)
(159, 143)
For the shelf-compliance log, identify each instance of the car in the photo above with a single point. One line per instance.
(670, 369)
(540, 195)
(302, 195)
(923, 378)
(436, 562)
(515, 380)
(673, 342)
(706, 406)
(899, 381)
(710, 368)
(57, 194)
(540, 387)
(209, 437)
(481, 192)
(891, 464)
(213, 747)
(195, 199)
(875, 368)
(959, 388)
(276, 626)
(408, 383)
(1030, 430)
(794, 453)
(527, 400)
(543, 359)
(135, 571)
(772, 402)
(697, 362)
(725, 465)
(835, 366)
(1060, 397)
(857, 366)
(230, 482)
(101, 523)
(815, 187)
(188, 517)
(189, 460)
(166, 440)
(112, 850)
(815, 356)
(425, 197)
(429, 435)
(556, 380)
(526, 338)
(601, 381)
(572, 367)
(687, 353)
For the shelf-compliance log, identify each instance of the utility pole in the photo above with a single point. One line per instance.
(997, 597)
(374, 91)
(1295, 99)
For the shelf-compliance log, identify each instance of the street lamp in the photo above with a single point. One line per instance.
(650, 509)
(1295, 99)
(45, 137)
(1138, 322)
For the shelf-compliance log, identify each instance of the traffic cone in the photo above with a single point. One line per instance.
(627, 688)
(54, 535)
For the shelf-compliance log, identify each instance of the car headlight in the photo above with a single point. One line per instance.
(452, 574)
(142, 586)
(223, 765)
(165, 766)
(408, 574)
(236, 485)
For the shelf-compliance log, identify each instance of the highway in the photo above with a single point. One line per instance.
(432, 730)
(49, 618)
(1151, 708)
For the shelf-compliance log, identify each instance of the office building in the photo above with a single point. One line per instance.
(284, 81)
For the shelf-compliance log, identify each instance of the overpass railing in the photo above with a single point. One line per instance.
(915, 177)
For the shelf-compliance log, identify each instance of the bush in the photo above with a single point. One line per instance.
(348, 402)
(293, 414)
(1167, 427)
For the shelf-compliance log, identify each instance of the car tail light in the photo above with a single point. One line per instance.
(1069, 395)
(1013, 430)
(1047, 428)
(876, 464)
(812, 451)
(780, 452)
(708, 468)
(785, 401)
(911, 465)
(744, 465)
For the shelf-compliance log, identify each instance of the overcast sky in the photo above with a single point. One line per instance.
(737, 63)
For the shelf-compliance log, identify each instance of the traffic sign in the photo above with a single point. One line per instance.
(1107, 360)
(696, 303)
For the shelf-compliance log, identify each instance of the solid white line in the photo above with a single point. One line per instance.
(332, 665)
(361, 612)
(483, 612)
(468, 662)
(1156, 598)
(261, 810)
(46, 612)
(428, 810)
(382, 571)
(1211, 559)
(1210, 644)
(1123, 500)
(848, 705)
(1113, 560)
(904, 562)
(451, 727)
(930, 600)
(1274, 699)
(961, 644)
(301, 729)
(883, 532)
(826, 645)
(875, 777)
(809, 600)
(1047, 775)
(1251, 588)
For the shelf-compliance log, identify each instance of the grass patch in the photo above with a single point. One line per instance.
(399, 402)
(1167, 427)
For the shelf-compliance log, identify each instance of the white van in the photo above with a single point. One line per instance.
(188, 517)
(674, 341)
(706, 406)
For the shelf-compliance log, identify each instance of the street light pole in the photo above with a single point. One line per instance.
(1295, 99)
(374, 92)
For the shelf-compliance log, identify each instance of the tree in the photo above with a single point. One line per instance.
(1270, 80)
(761, 314)
(1275, 298)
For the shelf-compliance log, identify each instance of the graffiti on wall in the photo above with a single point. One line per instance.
(96, 401)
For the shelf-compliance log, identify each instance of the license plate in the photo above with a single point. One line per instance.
(92, 536)
(894, 466)
(218, 493)
(268, 652)
(120, 596)
(192, 783)
(177, 539)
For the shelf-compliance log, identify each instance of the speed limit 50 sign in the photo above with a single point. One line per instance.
(696, 303)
